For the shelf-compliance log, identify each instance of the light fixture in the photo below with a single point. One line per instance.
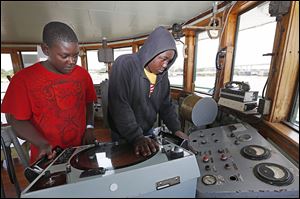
(214, 28)
(215, 23)
(177, 31)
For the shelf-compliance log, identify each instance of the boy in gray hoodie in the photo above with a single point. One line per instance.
(139, 89)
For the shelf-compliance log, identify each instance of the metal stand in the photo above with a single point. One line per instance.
(9, 137)
(2, 189)
(10, 168)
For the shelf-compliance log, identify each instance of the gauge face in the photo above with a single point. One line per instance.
(209, 179)
(258, 151)
(278, 172)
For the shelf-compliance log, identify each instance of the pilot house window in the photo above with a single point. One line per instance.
(205, 74)
(255, 38)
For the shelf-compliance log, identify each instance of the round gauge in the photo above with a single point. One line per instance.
(255, 152)
(209, 179)
(273, 174)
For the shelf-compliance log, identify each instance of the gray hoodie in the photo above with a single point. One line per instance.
(131, 112)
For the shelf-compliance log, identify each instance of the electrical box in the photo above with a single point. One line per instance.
(264, 106)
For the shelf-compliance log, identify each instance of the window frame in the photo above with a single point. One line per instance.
(291, 121)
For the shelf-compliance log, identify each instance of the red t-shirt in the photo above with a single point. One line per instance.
(54, 103)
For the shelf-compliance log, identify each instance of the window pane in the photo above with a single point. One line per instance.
(205, 63)
(29, 58)
(6, 70)
(97, 70)
(78, 61)
(122, 51)
(40, 54)
(294, 118)
(32, 57)
(176, 71)
(255, 37)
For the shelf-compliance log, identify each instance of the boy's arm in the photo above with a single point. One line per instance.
(90, 113)
(89, 137)
(25, 130)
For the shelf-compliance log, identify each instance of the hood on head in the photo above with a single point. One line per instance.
(157, 42)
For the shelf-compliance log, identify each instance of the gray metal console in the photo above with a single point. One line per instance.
(113, 170)
(236, 161)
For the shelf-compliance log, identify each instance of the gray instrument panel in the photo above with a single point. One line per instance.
(226, 172)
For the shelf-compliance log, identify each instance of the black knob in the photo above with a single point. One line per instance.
(68, 168)
(47, 174)
(207, 168)
(227, 166)
(236, 142)
(220, 150)
(176, 152)
(58, 150)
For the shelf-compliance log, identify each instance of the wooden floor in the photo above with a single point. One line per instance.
(102, 134)
(8, 187)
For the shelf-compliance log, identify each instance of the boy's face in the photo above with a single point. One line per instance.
(160, 62)
(62, 56)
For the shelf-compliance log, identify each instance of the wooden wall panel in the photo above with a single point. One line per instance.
(189, 61)
(285, 65)
(281, 135)
(228, 41)
(16, 60)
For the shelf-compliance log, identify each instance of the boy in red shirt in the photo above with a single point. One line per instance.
(51, 102)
